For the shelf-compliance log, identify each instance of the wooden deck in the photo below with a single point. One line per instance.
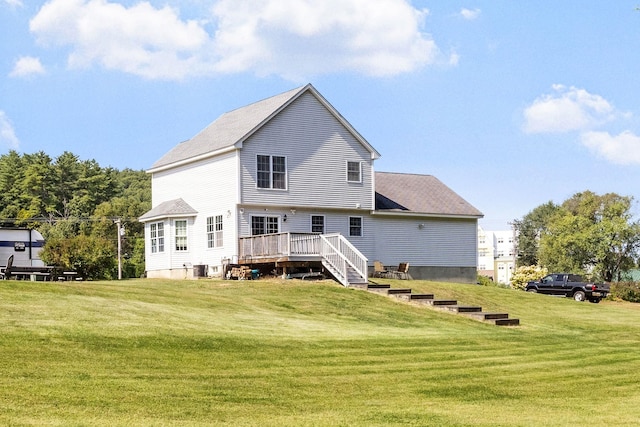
(280, 248)
(333, 251)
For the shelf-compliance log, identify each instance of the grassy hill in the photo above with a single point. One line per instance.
(277, 353)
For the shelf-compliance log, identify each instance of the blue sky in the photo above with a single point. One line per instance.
(511, 104)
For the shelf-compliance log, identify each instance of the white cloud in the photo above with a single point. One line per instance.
(26, 66)
(470, 14)
(141, 40)
(567, 109)
(291, 38)
(7, 134)
(622, 149)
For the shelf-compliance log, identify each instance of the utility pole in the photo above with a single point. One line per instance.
(120, 230)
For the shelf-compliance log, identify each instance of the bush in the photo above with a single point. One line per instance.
(485, 280)
(525, 274)
(626, 291)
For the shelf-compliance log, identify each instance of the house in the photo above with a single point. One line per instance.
(287, 181)
(496, 254)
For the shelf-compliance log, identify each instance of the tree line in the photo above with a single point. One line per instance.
(74, 204)
(588, 234)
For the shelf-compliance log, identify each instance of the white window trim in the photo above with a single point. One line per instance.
(175, 235)
(286, 172)
(153, 230)
(215, 234)
(324, 223)
(279, 223)
(361, 226)
(359, 171)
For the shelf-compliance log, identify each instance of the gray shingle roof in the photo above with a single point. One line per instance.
(228, 129)
(235, 126)
(171, 208)
(425, 194)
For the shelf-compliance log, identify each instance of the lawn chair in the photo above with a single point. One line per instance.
(402, 272)
(6, 272)
(379, 270)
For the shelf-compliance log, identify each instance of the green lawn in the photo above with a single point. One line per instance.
(278, 353)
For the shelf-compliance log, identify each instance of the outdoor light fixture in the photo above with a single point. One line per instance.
(284, 218)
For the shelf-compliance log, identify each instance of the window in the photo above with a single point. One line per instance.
(354, 172)
(156, 233)
(181, 235)
(355, 226)
(264, 225)
(214, 231)
(317, 224)
(272, 172)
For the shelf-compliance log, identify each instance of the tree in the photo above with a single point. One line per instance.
(591, 233)
(73, 203)
(526, 274)
(92, 257)
(528, 232)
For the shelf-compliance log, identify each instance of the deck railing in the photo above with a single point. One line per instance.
(279, 244)
(335, 251)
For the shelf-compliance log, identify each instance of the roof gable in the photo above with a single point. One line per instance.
(230, 129)
(423, 194)
(169, 209)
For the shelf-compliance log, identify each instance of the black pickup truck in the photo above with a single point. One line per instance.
(569, 285)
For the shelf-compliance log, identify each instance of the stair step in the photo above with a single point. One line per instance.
(378, 286)
(398, 291)
(464, 309)
(490, 316)
(421, 297)
(441, 302)
(507, 322)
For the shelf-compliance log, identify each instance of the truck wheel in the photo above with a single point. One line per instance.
(579, 296)
(532, 290)
(595, 300)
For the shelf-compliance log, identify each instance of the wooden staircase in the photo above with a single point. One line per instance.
(474, 312)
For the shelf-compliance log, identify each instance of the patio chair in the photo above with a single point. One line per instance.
(6, 272)
(379, 270)
(402, 272)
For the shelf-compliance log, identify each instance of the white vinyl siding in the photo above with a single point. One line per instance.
(317, 147)
(425, 241)
(210, 187)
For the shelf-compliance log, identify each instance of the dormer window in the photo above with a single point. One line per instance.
(354, 172)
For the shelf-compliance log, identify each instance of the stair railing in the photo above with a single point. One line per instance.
(339, 255)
